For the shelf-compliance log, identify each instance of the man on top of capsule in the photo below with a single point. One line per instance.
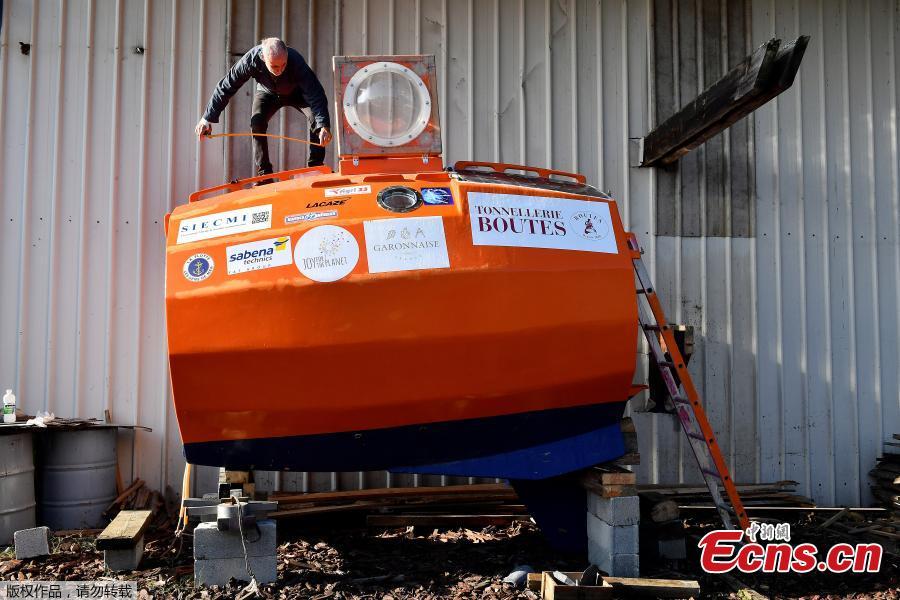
(282, 79)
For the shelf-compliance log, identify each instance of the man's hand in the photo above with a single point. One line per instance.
(204, 127)
(324, 136)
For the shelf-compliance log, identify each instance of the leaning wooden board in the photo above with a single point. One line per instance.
(125, 530)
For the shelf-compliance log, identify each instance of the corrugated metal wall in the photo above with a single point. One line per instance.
(797, 327)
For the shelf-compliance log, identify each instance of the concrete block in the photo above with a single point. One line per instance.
(624, 510)
(210, 543)
(600, 556)
(31, 543)
(124, 559)
(615, 539)
(616, 565)
(219, 570)
(625, 565)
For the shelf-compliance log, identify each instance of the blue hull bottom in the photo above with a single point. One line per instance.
(530, 446)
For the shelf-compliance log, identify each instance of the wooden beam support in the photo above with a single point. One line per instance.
(443, 521)
(766, 73)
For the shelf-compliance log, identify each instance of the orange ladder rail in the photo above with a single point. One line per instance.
(684, 396)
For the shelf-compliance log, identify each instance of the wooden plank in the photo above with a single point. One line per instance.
(552, 590)
(534, 581)
(885, 496)
(322, 510)
(834, 518)
(632, 458)
(498, 490)
(666, 143)
(656, 588)
(887, 466)
(760, 77)
(609, 475)
(610, 491)
(235, 477)
(687, 488)
(443, 521)
(409, 502)
(783, 509)
(125, 530)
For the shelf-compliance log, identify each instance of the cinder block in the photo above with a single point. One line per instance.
(31, 543)
(218, 571)
(624, 510)
(600, 556)
(616, 565)
(615, 539)
(210, 543)
(125, 559)
(625, 565)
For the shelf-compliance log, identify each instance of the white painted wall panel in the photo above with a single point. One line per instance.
(797, 328)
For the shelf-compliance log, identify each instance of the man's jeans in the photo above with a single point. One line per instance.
(264, 106)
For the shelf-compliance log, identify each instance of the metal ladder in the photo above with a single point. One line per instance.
(684, 396)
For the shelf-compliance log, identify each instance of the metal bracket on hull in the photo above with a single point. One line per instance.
(684, 396)
(233, 514)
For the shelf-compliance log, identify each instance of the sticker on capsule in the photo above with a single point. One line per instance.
(326, 253)
(240, 220)
(310, 216)
(198, 267)
(254, 256)
(437, 196)
(349, 190)
(406, 244)
(541, 222)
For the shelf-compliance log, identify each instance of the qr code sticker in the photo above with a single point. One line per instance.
(261, 217)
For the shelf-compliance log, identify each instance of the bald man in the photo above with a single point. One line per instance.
(282, 79)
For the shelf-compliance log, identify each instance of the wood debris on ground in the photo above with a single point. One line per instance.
(886, 477)
(335, 555)
(323, 560)
(138, 496)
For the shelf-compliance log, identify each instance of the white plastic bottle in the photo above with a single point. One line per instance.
(9, 407)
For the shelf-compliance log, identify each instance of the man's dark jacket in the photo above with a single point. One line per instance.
(296, 79)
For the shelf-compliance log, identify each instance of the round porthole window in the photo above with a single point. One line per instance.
(399, 199)
(387, 104)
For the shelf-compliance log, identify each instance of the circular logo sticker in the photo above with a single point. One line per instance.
(590, 225)
(326, 253)
(198, 267)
